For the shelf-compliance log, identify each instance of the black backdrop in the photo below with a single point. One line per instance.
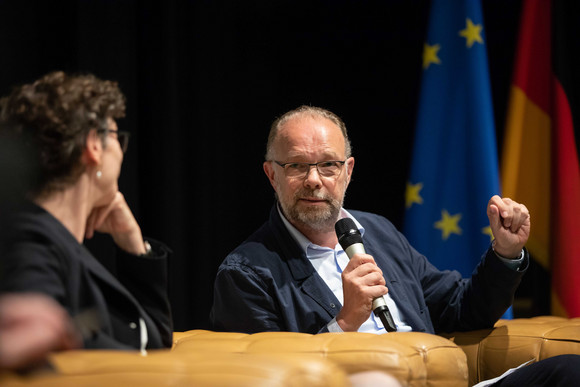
(204, 80)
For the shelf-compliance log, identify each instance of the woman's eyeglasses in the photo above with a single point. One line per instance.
(122, 137)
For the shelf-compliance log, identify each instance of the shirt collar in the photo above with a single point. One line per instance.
(304, 242)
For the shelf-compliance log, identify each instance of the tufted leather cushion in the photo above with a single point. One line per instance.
(164, 368)
(490, 352)
(415, 359)
(207, 358)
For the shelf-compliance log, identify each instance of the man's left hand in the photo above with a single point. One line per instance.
(510, 225)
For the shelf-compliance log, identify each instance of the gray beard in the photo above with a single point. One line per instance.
(317, 219)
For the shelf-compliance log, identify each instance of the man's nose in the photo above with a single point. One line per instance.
(312, 179)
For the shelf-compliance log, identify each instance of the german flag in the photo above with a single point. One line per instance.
(540, 152)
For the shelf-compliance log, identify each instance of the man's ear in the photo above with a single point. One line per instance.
(349, 168)
(93, 151)
(269, 170)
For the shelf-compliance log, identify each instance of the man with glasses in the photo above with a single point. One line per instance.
(292, 275)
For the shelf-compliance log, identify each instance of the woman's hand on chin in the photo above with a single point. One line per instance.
(116, 219)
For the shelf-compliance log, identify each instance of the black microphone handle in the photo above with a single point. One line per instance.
(380, 308)
(386, 318)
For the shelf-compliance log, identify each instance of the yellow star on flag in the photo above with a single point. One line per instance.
(472, 34)
(448, 224)
(412, 194)
(487, 231)
(430, 55)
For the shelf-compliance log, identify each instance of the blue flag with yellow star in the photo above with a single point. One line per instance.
(454, 171)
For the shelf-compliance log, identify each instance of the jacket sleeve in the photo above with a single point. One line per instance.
(458, 304)
(33, 267)
(242, 302)
(441, 300)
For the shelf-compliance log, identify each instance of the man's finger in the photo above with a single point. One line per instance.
(494, 217)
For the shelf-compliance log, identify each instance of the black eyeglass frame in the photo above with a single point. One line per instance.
(122, 137)
(310, 165)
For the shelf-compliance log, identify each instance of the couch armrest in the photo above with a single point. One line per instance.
(412, 358)
(490, 352)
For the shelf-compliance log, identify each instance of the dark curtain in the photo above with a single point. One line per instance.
(204, 80)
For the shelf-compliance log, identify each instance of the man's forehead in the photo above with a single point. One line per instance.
(310, 147)
(309, 128)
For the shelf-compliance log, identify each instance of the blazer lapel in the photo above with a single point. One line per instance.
(302, 270)
(104, 275)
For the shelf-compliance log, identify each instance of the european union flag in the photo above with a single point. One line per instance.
(454, 171)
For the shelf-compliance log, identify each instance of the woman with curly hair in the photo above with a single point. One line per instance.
(67, 124)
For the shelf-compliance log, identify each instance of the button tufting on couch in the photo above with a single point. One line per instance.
(415, 359)
(206, 358)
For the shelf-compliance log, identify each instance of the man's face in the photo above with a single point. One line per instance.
(312, 201)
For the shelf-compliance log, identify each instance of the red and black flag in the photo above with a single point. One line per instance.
(540, 153)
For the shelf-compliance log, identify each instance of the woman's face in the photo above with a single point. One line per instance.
(110, 168)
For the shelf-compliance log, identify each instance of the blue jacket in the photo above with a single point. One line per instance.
(268, 284)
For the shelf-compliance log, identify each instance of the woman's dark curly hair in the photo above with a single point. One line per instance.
(53, 116)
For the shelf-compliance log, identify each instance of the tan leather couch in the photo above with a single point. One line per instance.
(202, 357)
(415, 359)
(165, 368)
(491, 352)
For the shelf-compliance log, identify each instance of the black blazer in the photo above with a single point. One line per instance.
(38, 254)
(268, 284)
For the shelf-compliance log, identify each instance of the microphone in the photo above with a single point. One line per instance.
(351, 241)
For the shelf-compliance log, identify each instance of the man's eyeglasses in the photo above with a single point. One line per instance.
(122, 137)
(331, 168)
